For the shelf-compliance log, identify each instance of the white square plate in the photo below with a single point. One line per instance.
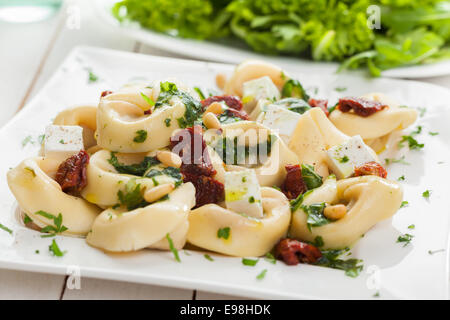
(390, 269)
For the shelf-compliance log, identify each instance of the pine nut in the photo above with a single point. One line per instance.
(220, 80)
(169, 159)
(215, 108)
(158, 192)
(211, 122)
(335, 212)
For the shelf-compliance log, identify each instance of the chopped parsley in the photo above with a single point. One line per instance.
(208, 257)
(411, 226)
(431, 252)
(299, 106)
(297, 202)
(433, 133)
(340, 89)
(54, 249)
(270, 258)
(57, 220)
(27, 219)
(5, 228)
(404, 204)
(141, 136)
(261, 275)
(293, 88)
(318, 242)
(172, 248)
(193, 107)
(310, 177)
(167, 122)
(27, 140)
(401, 178)
(344, 159)
(329, 259)
(224, 233)
(315, 215)
(413, 144)
(249, 262)
(422, 111)
(200, 93)
(251, 199)
(138, 169)
(92, 77)
(132, 195)
(392, 160)
(426, 194)
(405, 238)
(147, 99)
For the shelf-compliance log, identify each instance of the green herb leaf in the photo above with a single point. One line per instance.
(293, 88)
(132, 195)
(148, 100)
(54, 249)
(172, 248)
(138, 169)
(315, 215)
(262, 275)
(5, 228)
(249, 262)
(426, 194)
(208, 257)
(405, 238)
(224, 233)
(270, 258)
(310, 177)
(141, 136)
(404, 204)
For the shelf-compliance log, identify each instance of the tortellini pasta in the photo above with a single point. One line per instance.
(271, 170)
(119, 230)
(105, 182)
(250, 70)
(123, 126)
(314, 135)
(375, 129)
(247, 236)
(34, 188)
(370, 199)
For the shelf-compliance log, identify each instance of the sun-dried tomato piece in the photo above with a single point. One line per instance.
(232, 102)
(207, 189)
(293, 252)
(360, 106)
(190, 146)
(71, 174)
(105, 93)
(371, 168)
(196, 165)
(320, 103)
(293, 185)
(149, 111)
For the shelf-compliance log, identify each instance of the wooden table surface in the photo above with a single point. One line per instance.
(29, 54)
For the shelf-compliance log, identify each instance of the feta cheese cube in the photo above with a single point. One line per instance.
(242, 193)
(279, 118)
(61, 142)
(342, 159)
(261, 88)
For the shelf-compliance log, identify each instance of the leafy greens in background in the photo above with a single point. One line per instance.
(412, 31)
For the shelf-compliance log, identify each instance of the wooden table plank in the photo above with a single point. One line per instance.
(16, 285)
(94, 289)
